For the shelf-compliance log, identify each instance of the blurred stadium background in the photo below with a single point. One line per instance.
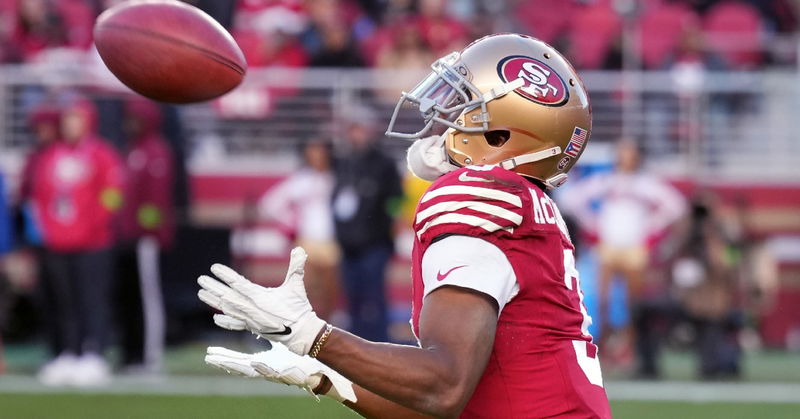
(709, 89)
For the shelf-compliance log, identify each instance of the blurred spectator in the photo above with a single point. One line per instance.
(5, 247)
(407, 48)
(702, 296)
(44, 123)
(78, 17)
(366, 195)
(705, 275)
(627, 211)
(267, 33)
(780, 15)
(148, 227)
(338, 49)
(327, 15)
(76, 189)
(38, 26)
(442, 33)
(301, 205)
(274, 49)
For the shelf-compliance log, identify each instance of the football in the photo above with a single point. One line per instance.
(169, 51)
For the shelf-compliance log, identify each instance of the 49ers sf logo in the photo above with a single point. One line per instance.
(542, 84)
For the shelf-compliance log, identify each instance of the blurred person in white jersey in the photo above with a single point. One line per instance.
(301, 206)
(627, 211)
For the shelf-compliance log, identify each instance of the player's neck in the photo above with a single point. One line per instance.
(538, 183)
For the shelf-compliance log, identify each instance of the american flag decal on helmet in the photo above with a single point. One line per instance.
(576, 142)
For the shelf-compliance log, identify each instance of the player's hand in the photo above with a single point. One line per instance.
(280, 365)
(281, 314)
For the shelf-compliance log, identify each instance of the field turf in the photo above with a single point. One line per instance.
(88, 406)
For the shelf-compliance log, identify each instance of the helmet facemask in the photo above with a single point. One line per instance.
(444, 95)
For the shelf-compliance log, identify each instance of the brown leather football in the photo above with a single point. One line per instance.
(169, 51)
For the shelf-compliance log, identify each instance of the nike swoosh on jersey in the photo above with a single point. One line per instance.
(464, 177)
(286, 331)
(441, 277)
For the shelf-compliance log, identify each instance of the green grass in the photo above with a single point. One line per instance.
(187, 360)
(68, 406)
(682, 410)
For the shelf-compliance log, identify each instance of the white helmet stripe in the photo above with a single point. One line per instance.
(530, 157)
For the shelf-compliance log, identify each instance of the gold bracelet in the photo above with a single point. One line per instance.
(321, 341)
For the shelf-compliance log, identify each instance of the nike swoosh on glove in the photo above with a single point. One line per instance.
(282, 314)
(427, 159)
(280, 365)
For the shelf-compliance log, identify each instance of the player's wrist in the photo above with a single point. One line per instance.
(320, 340)
(323, 387)
(340, 389)
(304, 335)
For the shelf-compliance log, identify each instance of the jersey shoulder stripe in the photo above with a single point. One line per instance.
(471, 201)
(487, 208)
(478, 191)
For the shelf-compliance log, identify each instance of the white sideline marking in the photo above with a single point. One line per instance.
(689, 391)
(677, 391)
(160, 385)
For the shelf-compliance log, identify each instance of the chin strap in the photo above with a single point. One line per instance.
(552, 182)
(555, 181)
(530, 158)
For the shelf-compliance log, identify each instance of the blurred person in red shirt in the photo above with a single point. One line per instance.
(77, 188)
(147, 227)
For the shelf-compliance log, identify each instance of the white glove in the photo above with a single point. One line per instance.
(281, 314)
(280, 365)
(427, 158)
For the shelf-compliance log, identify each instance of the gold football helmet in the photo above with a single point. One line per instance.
(510, 100)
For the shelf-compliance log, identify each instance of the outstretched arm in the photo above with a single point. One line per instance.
(457, 329)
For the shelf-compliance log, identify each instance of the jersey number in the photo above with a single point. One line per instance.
(589, 365)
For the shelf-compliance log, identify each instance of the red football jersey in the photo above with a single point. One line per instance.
(543, 363)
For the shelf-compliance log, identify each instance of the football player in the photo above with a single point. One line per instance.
(497, 304)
